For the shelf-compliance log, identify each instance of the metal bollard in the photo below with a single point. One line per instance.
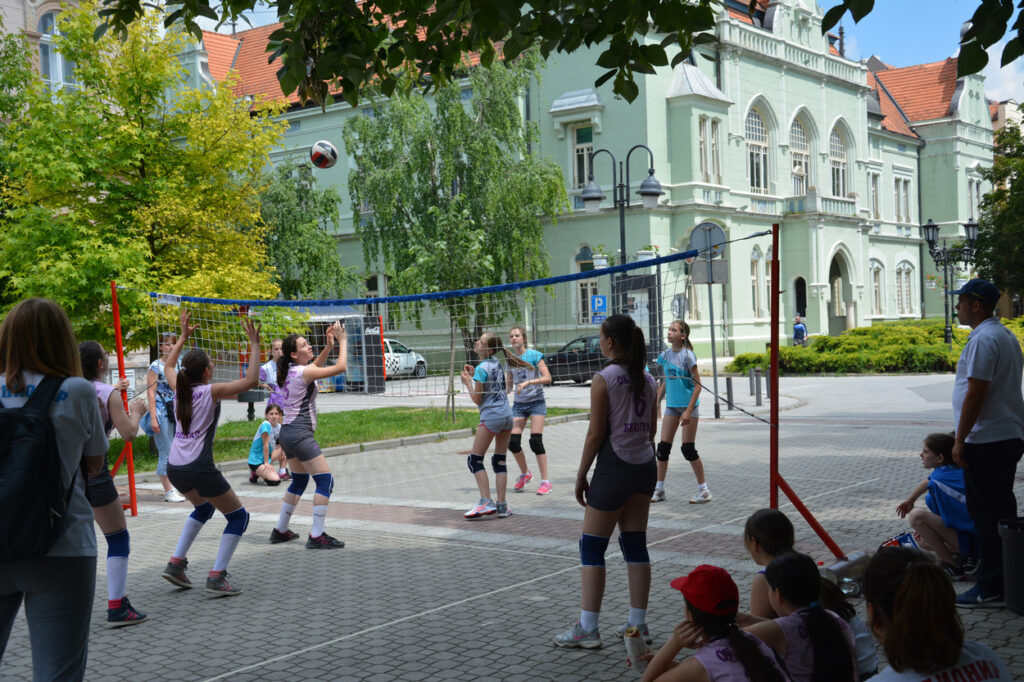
(768, 383)
(757, 386)
(728, 392)
(750, 374)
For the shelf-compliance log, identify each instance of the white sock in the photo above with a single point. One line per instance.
(319, 518)
(637, 616)
(546, 481)
(282, 471)
(701, 487)
(588, 620)
(228, 542)
(660, 485)
(188, 536)
(117, 577)
(285, 518)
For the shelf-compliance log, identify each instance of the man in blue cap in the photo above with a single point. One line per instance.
(989, 414)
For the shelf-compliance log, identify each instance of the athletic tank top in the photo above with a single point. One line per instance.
(299, 399)
(799, 656)
(533, 392)
(629, 419)
(103, 392)
(721, 663)
(197, 444)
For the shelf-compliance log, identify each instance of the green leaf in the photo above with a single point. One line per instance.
(832, 17)
(1013, 49)
(972, 59)
(100, 31)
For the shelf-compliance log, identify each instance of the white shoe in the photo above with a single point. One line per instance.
(659, 495)
(701, 497)
(173, 495)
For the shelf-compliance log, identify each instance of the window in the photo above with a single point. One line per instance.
(800, 151)
(716, 162)
(756, 286)
(585, 287)
(973, 197)
(873, 189)
(374, 290)
(901, 198)
(768, 282)
(693, 302)
(582, 148)
(57, 71)
(876, 287)
(837, 160)
(757, 152)
(702, 146)
(904, 288)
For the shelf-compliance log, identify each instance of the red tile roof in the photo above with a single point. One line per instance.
(924, 91)
(221, 50)
(892, 119)
(993, 110)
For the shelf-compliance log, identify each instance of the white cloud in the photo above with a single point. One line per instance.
(1003, 82)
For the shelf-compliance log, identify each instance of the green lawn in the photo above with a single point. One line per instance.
(333, 428)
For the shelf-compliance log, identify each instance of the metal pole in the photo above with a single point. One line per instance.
(620, 199)
(728, 393)
(945, 295)
(711, 315)
(773, 373)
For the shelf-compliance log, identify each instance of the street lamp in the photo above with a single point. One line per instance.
(650, 190)
(946, 257)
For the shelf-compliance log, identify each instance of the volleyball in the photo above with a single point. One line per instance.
(323, 154)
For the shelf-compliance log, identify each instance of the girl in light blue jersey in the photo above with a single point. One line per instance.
(488, 386)
(529, 402)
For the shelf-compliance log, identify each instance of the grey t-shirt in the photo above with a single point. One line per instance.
(79, 430)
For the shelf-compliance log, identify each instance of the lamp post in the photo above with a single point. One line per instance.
(650, 190)
(946, 257)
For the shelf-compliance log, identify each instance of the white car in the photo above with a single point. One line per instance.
(401, 361)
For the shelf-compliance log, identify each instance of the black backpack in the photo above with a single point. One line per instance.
(33, 498)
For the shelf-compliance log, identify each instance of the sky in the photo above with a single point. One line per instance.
(900, 32)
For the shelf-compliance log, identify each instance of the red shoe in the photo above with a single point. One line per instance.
(286, 476)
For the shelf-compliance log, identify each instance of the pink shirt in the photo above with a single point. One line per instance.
(188, 448)
(799, 656)
(629, 419)
(299, 399)
(103, 392)
(722, 665)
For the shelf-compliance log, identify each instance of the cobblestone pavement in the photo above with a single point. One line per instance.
(418, 593)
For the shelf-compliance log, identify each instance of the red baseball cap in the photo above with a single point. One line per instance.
(710, 589)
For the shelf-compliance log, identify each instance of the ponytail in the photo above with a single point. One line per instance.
(192, 368)
(91, 353)
(493, 343)
(632, 351)
(288, 345)
(686, 333)
(748, 653)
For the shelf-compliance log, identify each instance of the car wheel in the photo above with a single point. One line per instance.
(421, 370)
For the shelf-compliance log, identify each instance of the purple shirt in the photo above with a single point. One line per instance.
(188, 448)
(103, 392)
(299, 399)
(799, 656)
(629, 419)
(722, 665)
(268, 375)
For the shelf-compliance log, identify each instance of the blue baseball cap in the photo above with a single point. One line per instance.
(981, 289)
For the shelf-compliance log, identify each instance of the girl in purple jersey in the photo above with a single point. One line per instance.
(298, 378)
(623, 424)
(190, 464)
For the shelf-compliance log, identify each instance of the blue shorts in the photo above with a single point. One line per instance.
(534, 407)
(497, 424)
(678, 412)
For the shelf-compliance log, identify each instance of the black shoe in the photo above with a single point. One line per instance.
(277, 537)
(126, 615)
(325, 541)
(254, 479)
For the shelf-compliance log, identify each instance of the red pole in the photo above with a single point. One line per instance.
(811, 521)
(133, 500)
(773, 375)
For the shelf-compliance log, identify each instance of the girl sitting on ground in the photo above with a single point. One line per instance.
(266, 458)
(767, 534)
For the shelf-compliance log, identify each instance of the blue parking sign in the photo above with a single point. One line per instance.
(599, 304)
(597, 319)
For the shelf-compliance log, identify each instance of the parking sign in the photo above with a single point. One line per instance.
(598, 305)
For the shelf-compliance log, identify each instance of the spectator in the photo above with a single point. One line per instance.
(268, 376)
(799, 332)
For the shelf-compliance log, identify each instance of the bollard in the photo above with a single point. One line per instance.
(768, 383)
(750, 373)
(728, 392)
(757, 386)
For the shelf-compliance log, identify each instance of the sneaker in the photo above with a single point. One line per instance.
(173, 495)
(544, 488)
(484, 508)
(324, 541)
(620, 632)
(285, 476)
(175, 573)
(578, 638)
(254, 479)
(969, 564)
(277, 537)
(125, 615)
(218, 584)
(701, 497)
(659, 495)
(956, 572)
(522, 481)
(977, 598)
(503, 510)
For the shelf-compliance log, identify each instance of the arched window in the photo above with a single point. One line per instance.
(905, 288)
(877, 276)
(756, 282)
(757, 152)
(800, 152)
(837, 158)
(57, 72)
(768, 282)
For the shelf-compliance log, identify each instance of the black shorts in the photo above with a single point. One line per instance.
(298, 443)
(615, 480)
(100, 489)
(206, 481)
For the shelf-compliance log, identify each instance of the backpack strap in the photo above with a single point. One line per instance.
(44, 394)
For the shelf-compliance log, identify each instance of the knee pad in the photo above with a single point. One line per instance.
(498, 463)
(537, 443)
(634, 547)
(203, 512)
(100, 490)
(475, 463)
(324, 484)
(515, 442)
(298, 484)
(664, 450)
(118, 543)
(689, 451)
(238, 521)
(592, 548)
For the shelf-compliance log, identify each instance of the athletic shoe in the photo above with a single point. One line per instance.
(659, 495)
(620, 631)
(277, 537)
(977, 598)
(969, 564)
(544, 488)
(957, 571)
(254, 479)
(125, 615)
(484, 508)
(285, 476)
(175, 573)
(218, 584)
(701, 497)
(173, 495)
(503, 510)
(324, 541)
(578, 638)
(522, 481)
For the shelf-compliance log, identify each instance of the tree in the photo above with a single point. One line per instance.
(134, 176)
(302, 251)
(457, 199)
(1001, 225)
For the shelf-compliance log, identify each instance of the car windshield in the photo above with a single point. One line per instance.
(398, 348)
